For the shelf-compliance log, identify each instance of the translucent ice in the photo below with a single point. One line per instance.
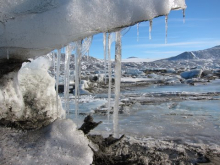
(57, 74)
(109, 75)
(104, 48)
(166, 27)
(117, 82)
(150, 28)
(67, 77)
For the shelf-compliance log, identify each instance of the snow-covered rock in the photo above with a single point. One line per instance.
(30, 96)
(196, 73)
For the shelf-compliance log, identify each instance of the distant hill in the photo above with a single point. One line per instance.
(211, 53)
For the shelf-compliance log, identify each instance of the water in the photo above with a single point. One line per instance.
(194, 121)
(198, 88)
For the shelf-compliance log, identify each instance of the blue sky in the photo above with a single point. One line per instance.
(201, 30)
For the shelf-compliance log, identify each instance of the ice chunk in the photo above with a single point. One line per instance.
(196, 73)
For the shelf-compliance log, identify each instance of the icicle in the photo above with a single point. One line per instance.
(137, 32)
(150, 28)
(104, 48)
(166, 27)
(54, 63)
(57, 75)
(66, 79)
(88, 55)
(117, 82)
(184, 16)
(8, 55)
(77, 74)
(109, 75)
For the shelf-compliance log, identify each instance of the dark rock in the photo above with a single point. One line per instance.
(89, 124)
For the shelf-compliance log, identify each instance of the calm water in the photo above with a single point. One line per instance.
(214, 86)
(192, 121)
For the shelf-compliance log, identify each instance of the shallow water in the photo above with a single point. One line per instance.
(188, 121)
(193, 121)
(214, 86)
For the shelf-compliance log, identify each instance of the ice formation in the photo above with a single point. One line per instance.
(166, 27)
(104, 48)
(150, 28)
(117, 82)
(30, 96)
(137, 31)
(30, 28)
(57, 74)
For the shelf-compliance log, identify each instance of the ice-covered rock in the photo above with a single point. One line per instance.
(30, 96)
(31, 28)
(196, 73)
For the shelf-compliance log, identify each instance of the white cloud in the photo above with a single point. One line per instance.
(189, 44)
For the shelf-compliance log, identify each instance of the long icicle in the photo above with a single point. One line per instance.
(166, 27)
(57, 76)
(54, 63)
(184, 15)
(117, 83)
(66, 87)
(109, 75)
(150, 28)
(137, 32)
(77, 72)
(104, 48)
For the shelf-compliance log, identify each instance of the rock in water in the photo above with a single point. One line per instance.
(88, 124)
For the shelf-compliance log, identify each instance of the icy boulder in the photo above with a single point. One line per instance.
(196, 73)
(29, 98)
(31, 28)
(133, 72)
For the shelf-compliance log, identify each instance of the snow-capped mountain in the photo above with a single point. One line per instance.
(211, 53)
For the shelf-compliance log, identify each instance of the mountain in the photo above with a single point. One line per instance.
(211, 53)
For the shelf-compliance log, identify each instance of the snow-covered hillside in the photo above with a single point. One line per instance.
(211, 53)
